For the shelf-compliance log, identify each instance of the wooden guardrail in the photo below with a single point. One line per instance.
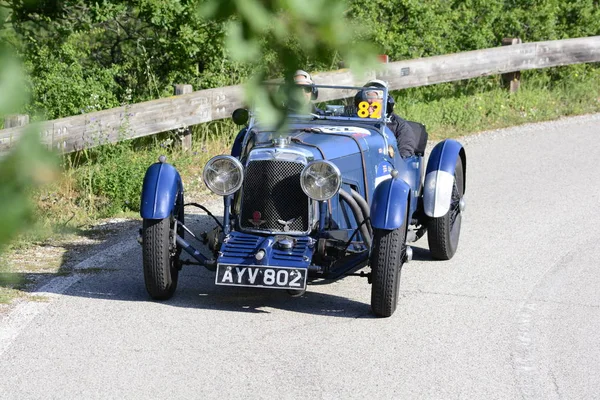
(151, 117)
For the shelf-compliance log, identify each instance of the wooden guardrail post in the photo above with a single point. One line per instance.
(11, 121)
(511, 80)
(186, 135)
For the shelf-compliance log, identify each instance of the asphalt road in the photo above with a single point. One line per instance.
(514, 315)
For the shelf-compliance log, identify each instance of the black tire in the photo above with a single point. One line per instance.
(160, 258)
(443, 232)
(180, 231)
(387, 258)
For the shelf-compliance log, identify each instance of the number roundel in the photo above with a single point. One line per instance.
(363, 110)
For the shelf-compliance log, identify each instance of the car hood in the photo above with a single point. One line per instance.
(331, 142)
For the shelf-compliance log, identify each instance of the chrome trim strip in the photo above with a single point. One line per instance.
(292, 154)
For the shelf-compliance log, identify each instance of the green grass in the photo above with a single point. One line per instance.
(106, 181)
(8, 295)
(12, 286)
(492, 107)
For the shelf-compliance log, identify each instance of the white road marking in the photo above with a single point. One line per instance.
(22, 315)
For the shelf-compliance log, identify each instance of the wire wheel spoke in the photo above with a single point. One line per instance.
(454, 205)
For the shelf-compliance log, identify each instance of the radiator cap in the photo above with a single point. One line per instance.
(281, 142)
(285, 242)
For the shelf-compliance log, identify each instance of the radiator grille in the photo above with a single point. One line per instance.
(272, 188)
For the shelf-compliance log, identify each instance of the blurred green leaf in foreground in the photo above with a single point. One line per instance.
(27, 166)
(29, 163)
(281, 36)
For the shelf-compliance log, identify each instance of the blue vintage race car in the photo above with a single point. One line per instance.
(322, 201)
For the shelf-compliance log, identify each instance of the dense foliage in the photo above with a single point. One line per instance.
(84, 56)
(29, 165)
(420, 28)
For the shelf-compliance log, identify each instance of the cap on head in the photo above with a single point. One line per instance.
(302, 78)
(383, 84)
(367, 95)
(373, 95)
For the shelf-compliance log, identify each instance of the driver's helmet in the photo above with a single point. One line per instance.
(364, 99)
(382, 84)
(376, 83)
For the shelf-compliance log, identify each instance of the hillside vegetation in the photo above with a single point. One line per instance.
(83, 56)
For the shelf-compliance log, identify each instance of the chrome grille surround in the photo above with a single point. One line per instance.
(272, 187)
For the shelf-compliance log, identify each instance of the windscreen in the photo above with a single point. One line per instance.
(341, 103)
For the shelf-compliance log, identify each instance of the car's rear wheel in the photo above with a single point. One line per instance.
(443, 232)
(160, 257)
(387, 258)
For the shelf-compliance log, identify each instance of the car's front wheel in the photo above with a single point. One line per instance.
(387, 257)
(443, 232)
(160, 257)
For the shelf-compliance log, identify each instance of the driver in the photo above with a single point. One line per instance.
(405, 136)
(369, 103)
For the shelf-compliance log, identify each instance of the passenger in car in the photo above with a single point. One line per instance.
(405, 136)
(310, 92)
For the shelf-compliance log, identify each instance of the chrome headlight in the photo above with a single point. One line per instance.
(223, 175)
(321, 180)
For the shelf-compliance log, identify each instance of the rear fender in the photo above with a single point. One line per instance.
(162, 187)
(390, 200)
(439, 177)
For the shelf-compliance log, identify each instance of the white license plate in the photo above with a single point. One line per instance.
(259, 276)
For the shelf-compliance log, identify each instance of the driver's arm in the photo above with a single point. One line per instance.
(407, 142)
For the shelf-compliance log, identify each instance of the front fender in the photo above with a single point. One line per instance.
(162, 186)
(439, 177)
(390, 200)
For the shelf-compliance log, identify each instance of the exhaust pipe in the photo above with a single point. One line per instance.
(364, 207)
(358, 215)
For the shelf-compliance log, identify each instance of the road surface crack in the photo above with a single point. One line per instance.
(468, 296)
